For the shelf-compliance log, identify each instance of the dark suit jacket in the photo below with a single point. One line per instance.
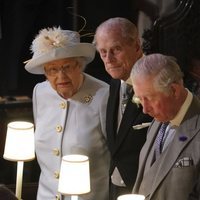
(125, 144)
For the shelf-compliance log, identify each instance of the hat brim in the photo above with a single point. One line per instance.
(35, 65)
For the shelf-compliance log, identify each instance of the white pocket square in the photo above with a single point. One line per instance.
(184, 162)
(140, 126)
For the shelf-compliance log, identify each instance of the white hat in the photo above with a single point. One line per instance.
(53, 44)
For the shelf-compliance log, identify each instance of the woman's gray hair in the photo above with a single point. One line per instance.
(126, 28)
(164, 69)
(82, 62)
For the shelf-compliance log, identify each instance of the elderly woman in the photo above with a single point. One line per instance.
(69, 111)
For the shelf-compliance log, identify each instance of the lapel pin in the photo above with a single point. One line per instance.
(183, 138)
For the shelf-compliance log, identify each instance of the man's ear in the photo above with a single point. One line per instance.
(175, 89)
(137, 45)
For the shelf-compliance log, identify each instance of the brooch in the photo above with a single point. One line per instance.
(87, 98)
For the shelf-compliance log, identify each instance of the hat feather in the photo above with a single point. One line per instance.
(51, 38)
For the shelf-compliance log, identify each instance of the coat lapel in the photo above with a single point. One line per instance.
(115, 137)
(145, 159)
(129, 116)
(112, 113)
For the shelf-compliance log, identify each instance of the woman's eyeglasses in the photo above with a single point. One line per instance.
(54, 71)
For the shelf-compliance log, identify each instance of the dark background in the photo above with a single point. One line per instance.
(20, 21)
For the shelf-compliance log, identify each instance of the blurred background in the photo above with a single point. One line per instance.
(20, 21)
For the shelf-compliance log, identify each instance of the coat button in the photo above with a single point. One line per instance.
(58, 128)
(56, 174)
(56, 152)
(63, 105)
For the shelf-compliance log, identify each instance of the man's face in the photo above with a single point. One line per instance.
(64, 76)
(117, 54)
(160, 105)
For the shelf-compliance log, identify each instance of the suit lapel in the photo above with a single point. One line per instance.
(129, 116)
(145, 159)
(115, 137)
(150, 143)
(112, 112)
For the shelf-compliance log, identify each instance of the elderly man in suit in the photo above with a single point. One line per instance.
(170, 159)
(119, 47)
(69, 111)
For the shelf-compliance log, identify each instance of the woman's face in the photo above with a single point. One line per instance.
(64, 75)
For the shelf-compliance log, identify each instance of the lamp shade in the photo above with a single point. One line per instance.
(131, 197)
(74, 175)
(19, 145)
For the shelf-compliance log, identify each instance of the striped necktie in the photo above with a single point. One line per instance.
(159, 139)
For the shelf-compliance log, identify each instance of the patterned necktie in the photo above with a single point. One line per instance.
(159, 139)
(126, 90)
